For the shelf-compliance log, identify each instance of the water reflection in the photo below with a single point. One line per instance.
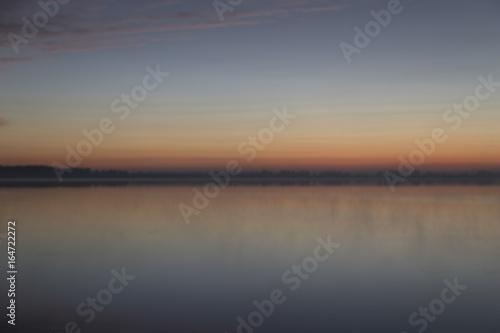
(396, 250)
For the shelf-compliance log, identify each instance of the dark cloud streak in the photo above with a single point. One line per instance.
(93, 24)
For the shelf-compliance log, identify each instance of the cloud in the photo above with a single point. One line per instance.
(296, 3)
(163, 4)
(104, 24)
(108, 38)
(9, 61)
(322, 9)
(261, 13)
(8, 8)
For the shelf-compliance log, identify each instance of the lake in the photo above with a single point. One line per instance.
(257, 259)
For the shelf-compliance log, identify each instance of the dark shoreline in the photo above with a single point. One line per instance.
(246, 181)
(43, 176)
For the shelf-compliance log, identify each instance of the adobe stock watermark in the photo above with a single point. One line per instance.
(120, 106)
(39, 20)
(455, 116)
(103, 298)
(223, 6)
(436, 307)
(372, 29)
(292, 278)
(250, 148)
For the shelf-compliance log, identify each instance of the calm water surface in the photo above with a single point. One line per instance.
(395, 251)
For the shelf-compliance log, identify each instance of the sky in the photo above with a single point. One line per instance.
(227, 76)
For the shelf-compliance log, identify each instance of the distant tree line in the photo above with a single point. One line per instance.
(47, 173)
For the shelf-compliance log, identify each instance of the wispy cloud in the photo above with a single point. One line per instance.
(261, 13)
(13, 60)
(321, 9)
(164, 4)
(4, 62)
(102, 24)
(296, 3)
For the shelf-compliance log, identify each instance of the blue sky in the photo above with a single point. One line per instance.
(226, 77)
